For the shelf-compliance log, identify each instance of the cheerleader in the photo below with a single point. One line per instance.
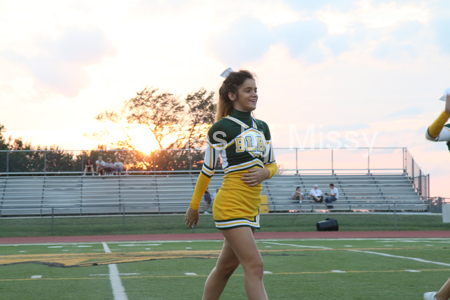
(245, 145)
(440, 132)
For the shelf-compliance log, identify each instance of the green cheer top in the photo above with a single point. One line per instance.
(242, 141)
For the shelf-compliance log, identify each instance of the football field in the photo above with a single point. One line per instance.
(294, 269)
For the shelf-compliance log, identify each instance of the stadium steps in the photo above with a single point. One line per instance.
(26, 195)
(370, 192)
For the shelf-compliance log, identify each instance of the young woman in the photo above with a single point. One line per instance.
(245, 146)
(440, 132)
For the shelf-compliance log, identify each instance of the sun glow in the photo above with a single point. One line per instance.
(143, 139)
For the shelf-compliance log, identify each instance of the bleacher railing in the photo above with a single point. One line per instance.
(358, 161)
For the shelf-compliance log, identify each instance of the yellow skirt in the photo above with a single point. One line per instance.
(236, 204)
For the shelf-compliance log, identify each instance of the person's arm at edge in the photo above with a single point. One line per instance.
(192, 214)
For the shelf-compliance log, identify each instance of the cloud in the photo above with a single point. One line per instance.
(403, 43)
(301, 38)
(60, 66)
(442, 34)
(247, 39)
(86, 46)
(338, 43)
(62, 77)
(407, 112)
(161, 3)
(312, 6)
(408, 31)
(347, 127)
(398, 52)
(146, 8)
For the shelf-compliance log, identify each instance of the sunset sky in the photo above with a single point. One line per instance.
(341, 73)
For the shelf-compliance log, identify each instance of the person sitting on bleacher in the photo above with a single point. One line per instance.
(118, 166)
(88, 167)
(332, 196)
(316, 194)
(297, 195)
(109, 166)
(100, 163)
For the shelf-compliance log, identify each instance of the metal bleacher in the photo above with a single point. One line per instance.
(79, 195)
(356, 192)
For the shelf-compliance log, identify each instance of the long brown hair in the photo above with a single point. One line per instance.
(231, 84)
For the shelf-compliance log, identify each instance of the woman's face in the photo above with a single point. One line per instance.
(247, 96)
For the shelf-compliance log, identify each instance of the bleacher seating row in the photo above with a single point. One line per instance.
(38, 195)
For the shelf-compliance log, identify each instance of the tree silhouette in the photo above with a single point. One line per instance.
(163, 115)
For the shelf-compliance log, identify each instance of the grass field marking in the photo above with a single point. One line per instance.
(404, 257)
(114, 277)
(417, 240)
(299, 246)
(106, 248)
(49, 244)
(185, 276)
(88, 259)
(380, 240)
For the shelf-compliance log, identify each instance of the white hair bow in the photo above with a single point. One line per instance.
(226, 73)
(446, 93)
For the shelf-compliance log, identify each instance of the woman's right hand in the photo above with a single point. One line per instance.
(191, 217)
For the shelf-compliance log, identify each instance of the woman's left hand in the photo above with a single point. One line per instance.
(255, 176)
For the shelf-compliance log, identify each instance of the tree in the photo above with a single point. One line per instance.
(23, 157)
(201, 114)
(163, 115)
(4, 144)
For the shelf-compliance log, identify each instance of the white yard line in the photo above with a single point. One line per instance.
(404, 257)
(114, 277)
(298, 246)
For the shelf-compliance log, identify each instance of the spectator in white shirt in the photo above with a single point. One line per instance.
(316, 194)
(297, 195)
(332, 196)
(100, 163)
(118, 166)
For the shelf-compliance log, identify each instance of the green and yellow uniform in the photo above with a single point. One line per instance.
(243, 143)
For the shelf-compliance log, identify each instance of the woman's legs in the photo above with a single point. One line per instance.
(243, 244)
(239, 247)
(218, 278)
(444, 292)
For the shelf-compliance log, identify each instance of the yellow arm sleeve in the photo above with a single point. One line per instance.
(200, 188)
(435, 129)
(273, 168)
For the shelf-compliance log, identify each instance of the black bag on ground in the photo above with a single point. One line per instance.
(329, 224)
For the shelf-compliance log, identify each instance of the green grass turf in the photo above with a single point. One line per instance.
(301, 269)
(68, 226)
